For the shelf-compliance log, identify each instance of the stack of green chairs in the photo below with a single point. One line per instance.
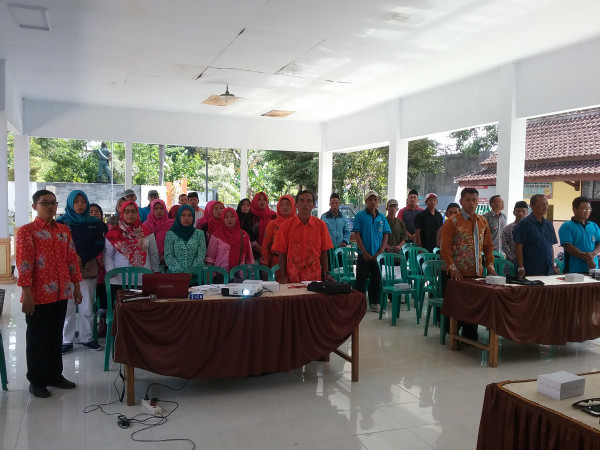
(131, 278)
(349, 257)
(415, 275)
(433, 274)
(387, 263)
(205, 274)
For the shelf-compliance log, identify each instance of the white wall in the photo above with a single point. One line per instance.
(69, 120)
(545, 84)
(565, 79)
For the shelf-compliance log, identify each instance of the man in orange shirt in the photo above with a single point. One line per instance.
(464, 237)
(302, 243)
(48, 275)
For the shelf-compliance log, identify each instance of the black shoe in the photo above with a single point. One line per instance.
(66, 348)
(92, 345)
(39, 391)
(63, 383)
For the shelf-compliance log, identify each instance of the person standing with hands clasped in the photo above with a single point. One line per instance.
(48, 275)
(465, 236)
(534, 237)
(371, 229)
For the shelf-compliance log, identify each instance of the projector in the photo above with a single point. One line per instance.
(241, 289)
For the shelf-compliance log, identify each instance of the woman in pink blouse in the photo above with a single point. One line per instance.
(229, 245)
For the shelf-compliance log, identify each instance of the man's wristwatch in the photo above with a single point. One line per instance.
(520, 268)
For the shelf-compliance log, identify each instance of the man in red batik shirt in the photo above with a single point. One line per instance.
(48, 275)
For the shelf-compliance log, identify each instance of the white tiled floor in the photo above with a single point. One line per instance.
(413, 394)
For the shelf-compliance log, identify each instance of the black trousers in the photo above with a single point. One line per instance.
(365, 270)
(43, 342)
(467, 330)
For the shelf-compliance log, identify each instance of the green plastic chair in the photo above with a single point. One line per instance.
(334, 269)
(498, 254)
(205, 274)
(274, 270)
(251, 272)
(560, 264)
(131, 278)
(433, 273)
(437, 250)
(389, 277)
(349, 257)
(415, 275)
(3, 375)
(501, 264)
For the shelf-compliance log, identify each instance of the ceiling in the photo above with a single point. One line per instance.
(320, 58)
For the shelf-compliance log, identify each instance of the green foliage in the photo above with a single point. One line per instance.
(358, 172)
(10, 143)
(422, 159)
(472, 141)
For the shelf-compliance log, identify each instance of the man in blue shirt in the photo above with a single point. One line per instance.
(336, 223)
(371, 229)
(580, 239)
(534, 237)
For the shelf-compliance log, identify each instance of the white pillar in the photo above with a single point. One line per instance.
(161, 164)
(128, 165)
(325, 180)
(398, 156)
(510, 170)
(243, 173)
(3, 154)
(22, 194)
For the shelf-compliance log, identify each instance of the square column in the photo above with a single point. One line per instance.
(128, 165)
(510, 169)
(397, 157)
(22, 193)
(325, 180)
(243, 173)
(3, 153)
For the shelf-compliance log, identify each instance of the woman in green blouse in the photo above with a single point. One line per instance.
(185, 245)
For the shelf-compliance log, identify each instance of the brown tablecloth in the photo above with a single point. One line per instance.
(233, 337)
(511, 422)
(551, 315)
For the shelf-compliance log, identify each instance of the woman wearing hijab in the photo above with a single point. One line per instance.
(286, 208)
(159, 223)
(245, 216)
(229, 245)
(88, 237)
(262, 215)
(211, 220)
(185, 245)
(130, 244)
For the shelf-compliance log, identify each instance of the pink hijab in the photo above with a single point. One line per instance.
(159, 226)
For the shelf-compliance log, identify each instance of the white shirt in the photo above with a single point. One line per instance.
(114, 259)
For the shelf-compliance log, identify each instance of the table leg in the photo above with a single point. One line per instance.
(493, 351)
(355, 354)
(453, 332)
(130, 385)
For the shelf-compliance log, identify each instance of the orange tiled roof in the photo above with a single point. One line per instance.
(570, 136)
(564, 147)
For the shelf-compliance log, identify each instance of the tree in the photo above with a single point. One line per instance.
(472, 141)
(422, 159)
(357, 172)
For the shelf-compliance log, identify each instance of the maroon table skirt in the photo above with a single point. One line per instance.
(551, 315)
(233, 337)
(511, 422)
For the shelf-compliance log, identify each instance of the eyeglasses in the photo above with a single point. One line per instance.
(589, 405)
(585, 209)
(47, 204)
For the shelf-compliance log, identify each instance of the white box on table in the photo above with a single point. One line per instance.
(560, 385)
(574, 277)
(269, 286)
(495, 279)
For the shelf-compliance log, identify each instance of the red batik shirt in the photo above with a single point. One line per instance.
(303, 245)
(47, 261)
